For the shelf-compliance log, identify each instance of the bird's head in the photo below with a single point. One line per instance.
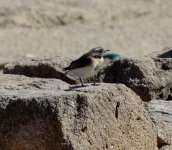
(97, 52)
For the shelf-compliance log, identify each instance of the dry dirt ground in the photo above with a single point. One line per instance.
(71, 27)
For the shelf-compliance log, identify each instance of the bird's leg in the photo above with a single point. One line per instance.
(94, 80)
(81, 82)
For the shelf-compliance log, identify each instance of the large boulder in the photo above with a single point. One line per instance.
(19, 83)
(161, 114)
(149, 78)
(45, 67)
(49, 117)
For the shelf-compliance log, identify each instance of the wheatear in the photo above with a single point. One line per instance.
(88, 65)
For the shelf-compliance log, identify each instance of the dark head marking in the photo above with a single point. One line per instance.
(97, 52)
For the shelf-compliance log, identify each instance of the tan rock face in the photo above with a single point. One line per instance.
(166, 147)
(20, 82)
(45, 67)
(164, 53)
(149, 78)
(102, 117)
(161, 114)
(116, 131)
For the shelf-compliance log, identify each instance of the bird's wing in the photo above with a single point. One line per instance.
(79, 63)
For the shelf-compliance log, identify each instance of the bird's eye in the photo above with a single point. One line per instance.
(100, 50)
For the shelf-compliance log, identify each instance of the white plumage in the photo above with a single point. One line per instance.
(88, 65)
(89, 70)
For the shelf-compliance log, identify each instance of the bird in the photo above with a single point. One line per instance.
(88, 65)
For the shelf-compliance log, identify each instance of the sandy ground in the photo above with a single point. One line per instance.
(71, 27)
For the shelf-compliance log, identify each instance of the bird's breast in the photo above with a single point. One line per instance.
(97, 64)
(83, 72)
(89, 70)
(97, 61)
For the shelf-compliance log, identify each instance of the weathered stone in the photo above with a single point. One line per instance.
(149, 78)
(108, 116)
(166, 147)
(41, 67)
(165, 53)
(161, 114)
(20, 82)
(46, 67)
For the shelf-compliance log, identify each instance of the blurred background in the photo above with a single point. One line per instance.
(71, 27)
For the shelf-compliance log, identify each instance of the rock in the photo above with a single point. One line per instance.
(165, 53)
(20, 83)
(41, 67)
(166, 147)
(161, 114)
(2, 65)
(45, 67)
(3, 62)
(149, 78)
(45, 117)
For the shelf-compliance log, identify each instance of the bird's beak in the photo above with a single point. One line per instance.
(106, 50)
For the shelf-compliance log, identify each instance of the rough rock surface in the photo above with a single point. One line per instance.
(165, 53)
(51, 67)
(20, 83)
(166, 147)
(161, 114)
(149, 78)
(45, 67)
(43, 118)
